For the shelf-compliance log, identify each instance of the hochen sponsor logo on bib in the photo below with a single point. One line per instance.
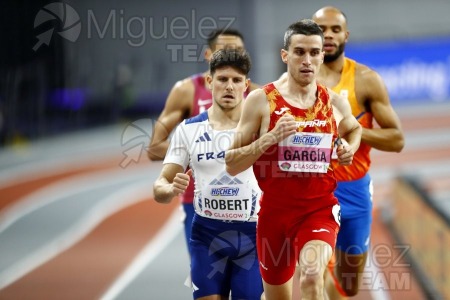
(305, 152)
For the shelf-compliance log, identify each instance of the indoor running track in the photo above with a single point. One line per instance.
(77, 218)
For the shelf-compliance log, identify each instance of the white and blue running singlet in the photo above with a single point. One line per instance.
(218, 195)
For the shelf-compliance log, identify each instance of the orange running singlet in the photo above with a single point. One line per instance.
(361, 160)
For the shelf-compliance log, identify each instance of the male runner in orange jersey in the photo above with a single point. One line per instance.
(369, 99)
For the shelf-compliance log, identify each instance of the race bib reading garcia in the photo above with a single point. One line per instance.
(308, 152)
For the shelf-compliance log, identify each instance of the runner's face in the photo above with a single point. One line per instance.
(334, 27)
(304, 57)
(228, 87)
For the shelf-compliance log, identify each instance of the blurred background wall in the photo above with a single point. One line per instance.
(77, 64)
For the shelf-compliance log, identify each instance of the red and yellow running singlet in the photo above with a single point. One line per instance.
(299, 166)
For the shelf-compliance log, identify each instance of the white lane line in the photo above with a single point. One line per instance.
(66, 188)
(65, 145)
(108, 206)
(51, 155)
(48, 167)
(156, 245)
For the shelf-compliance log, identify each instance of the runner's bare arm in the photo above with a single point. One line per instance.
(178, 106)
(245, 150)
(371, 88)
(171, 182)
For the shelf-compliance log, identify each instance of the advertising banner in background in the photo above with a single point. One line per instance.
(414, 71)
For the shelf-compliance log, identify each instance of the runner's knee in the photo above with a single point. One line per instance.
(311, 275)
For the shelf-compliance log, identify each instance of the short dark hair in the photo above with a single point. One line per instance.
(238, 59)
(212, 37)
(305, 26)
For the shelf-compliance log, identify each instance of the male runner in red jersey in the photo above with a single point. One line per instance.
(287, 132)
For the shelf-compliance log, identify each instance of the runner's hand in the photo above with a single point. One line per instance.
(285, 127)
(181, 182)
(344, 153)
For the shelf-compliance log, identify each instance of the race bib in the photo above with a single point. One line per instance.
(308, 152)
(231, 202)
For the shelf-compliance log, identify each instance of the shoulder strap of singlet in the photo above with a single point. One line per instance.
(268, 88)
(198, 118)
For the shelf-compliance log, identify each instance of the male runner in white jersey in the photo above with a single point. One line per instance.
(223, 239)
(190, 97)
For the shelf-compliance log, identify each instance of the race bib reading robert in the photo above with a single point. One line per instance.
(232, 202)
(308, 152)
